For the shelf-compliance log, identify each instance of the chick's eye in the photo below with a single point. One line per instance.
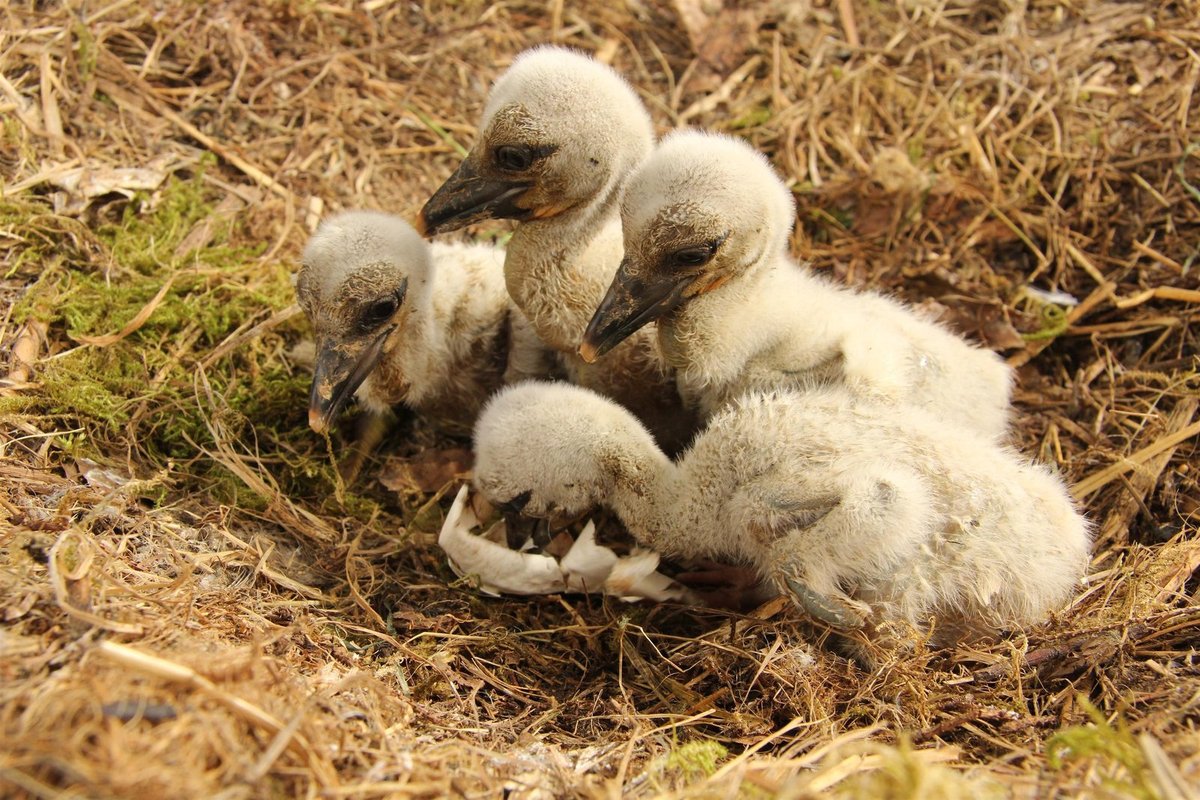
(512, 158)
(379, 312)
(698, 255)
(692, 256)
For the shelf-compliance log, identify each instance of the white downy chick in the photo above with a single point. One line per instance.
(559, 135)
(706, 224)
(867, 515)
(398, 321)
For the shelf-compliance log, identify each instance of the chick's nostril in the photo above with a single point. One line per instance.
(518, 503)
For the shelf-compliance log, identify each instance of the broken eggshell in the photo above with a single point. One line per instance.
(587, 567)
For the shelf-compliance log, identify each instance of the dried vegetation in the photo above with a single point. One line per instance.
(194, 604)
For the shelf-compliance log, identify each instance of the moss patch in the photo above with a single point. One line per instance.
(146, 389)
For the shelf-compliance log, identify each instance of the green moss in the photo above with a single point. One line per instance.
(1054, 323)
(1113, 746)
(85, 50)
(147, 236)
(15, 142)
(841, 219)
(915, 147)
(1181, 170)
(759, 115)
(95, 384)
(696, 759)
(903, 775)
(687, 763)
(15, 404)
(155, 395)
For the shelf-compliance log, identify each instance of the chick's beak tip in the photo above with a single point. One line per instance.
(588, 352)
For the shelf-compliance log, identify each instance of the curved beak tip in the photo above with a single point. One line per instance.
(317, 421)
(588, 352)
(421, 224)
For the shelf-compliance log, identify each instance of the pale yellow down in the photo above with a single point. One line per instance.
(458, 337)
(876, 511)
(757, 320)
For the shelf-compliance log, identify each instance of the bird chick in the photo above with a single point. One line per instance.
(559, 134)
(866, 515)
(706, 225)
(398, 321)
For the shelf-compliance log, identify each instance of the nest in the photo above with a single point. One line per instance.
(197, 602)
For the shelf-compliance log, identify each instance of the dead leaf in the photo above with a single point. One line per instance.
(876, 214)
(98, 477)
(999, 334)
(427, 471)
(20, 607)
(30, 340)
(988, 323)
(560, 545)
(83, 184)
(719, 35)
(203, 232)
(694, 19)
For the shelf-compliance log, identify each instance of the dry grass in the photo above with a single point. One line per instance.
(194, 605)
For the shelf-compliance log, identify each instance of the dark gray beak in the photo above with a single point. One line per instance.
(631, 303)
(468, 197)
(340, 370)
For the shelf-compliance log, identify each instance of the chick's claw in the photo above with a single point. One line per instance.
(837, 612)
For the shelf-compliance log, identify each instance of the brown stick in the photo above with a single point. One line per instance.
(1098, 480)
(146, 94)
(846, 13)
(1144, 479)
